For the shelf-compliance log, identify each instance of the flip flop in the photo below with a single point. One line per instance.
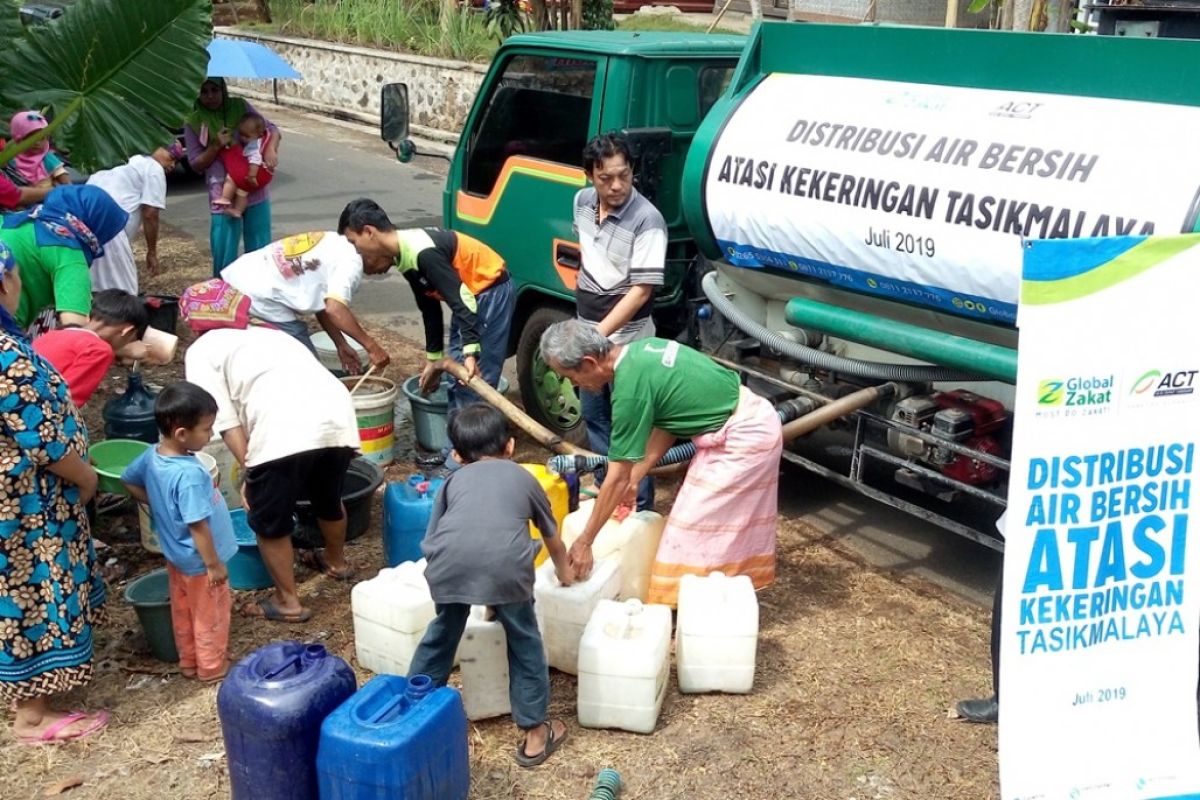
(552, 744)
(50, 734)
(269, 611)
(315, 560)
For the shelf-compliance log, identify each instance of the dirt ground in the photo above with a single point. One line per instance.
(856, 669)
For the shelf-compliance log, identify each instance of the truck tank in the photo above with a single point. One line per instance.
(892, 175)
(897, 171)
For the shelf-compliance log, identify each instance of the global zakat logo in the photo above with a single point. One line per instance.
(1172, 383)
(1051, 392)
(1077, 391)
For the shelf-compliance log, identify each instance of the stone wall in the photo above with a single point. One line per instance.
(344, 81)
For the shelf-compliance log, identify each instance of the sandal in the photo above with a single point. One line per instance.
(552, 744)
(315, 560)
(266, 609)
(51, 734)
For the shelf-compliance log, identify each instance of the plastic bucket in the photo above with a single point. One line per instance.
(146, 520)
(327, 353)
(246, 569)
(374, 406)
(151, 599)
(429, 412)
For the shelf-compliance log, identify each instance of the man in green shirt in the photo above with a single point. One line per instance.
(724, 517)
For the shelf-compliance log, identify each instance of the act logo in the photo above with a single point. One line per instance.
(1051, 393)
(1016, 109)
(1173, 383)
(1146, 382)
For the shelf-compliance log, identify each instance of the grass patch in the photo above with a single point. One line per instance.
(665, 22)
(411, 25)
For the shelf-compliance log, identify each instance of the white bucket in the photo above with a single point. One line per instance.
(374, 406)
(229, 471)
(328, 356)
(146, 521)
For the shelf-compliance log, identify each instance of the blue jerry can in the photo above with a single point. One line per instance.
(271, 707)
(407, 506)
(396, 739)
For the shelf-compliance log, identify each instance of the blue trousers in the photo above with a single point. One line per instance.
(226, 234)
(494, 312)
(597, 416)
(528, 673)
(298, 330)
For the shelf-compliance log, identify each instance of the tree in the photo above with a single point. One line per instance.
(114, 77)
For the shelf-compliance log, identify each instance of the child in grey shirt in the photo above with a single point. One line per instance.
(480, 553)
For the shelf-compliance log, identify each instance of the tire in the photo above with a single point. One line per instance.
(552, 401)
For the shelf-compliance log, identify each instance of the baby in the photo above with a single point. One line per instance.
(244, 169)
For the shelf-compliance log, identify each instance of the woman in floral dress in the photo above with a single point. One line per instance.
(49, 593)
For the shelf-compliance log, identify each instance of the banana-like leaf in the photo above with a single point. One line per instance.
(116, 75)
(10, 22)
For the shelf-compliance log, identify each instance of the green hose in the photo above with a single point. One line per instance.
(927, 344)
(608, 785)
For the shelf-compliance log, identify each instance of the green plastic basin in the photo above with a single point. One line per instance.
(111, 457)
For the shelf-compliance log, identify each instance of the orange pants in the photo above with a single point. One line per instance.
(200, 615)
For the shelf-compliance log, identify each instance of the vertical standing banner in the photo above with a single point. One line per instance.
(1101, 614)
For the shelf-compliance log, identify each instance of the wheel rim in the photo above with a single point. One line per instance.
(556, 397)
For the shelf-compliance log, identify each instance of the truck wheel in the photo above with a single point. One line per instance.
(549, 399)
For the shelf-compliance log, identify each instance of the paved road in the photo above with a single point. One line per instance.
(326, 164)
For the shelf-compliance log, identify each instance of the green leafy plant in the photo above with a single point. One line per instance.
(598, 15)
(504, 18)
(111, 75)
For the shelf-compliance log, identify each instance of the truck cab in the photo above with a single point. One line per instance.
(517, 169)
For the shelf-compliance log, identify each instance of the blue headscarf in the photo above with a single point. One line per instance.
(7, 323)
(81, 217)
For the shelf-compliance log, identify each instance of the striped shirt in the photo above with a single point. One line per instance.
(627, 249)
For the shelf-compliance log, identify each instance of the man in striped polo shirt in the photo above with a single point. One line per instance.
(623, 247)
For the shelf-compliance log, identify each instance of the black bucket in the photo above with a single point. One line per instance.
(163, 310)
(362, 479)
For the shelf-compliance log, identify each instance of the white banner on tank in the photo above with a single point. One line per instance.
(1101, 610)
(917, 192)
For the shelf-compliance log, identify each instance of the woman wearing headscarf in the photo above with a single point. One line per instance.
(54, 244)
(50, 594)
(210, 129)
(38, 166)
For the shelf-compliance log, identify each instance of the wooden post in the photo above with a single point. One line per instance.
(951, 13)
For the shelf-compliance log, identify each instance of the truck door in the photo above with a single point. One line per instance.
(520, 169)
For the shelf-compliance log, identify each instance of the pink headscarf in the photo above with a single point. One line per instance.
(31, 163)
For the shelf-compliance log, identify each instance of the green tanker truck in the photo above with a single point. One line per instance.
(846, 206)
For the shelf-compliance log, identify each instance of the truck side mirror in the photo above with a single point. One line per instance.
(393, 120)
(648, 146)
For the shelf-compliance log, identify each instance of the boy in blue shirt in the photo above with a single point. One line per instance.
(193, 526)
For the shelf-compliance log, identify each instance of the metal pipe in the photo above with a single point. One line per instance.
(838, 408)
(932, 475)
(819, 399)
(869, 370)
(958, 352)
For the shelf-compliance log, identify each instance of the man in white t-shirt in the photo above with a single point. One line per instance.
(291, 425)
(309, 273)
(140, 188)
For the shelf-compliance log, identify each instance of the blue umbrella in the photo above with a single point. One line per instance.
(235, 58)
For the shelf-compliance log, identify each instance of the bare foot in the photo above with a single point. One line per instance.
(58, 726)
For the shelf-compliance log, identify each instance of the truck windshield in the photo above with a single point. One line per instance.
(539, 108)
(713, 83)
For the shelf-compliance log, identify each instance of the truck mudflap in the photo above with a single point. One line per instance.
(923, 193)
